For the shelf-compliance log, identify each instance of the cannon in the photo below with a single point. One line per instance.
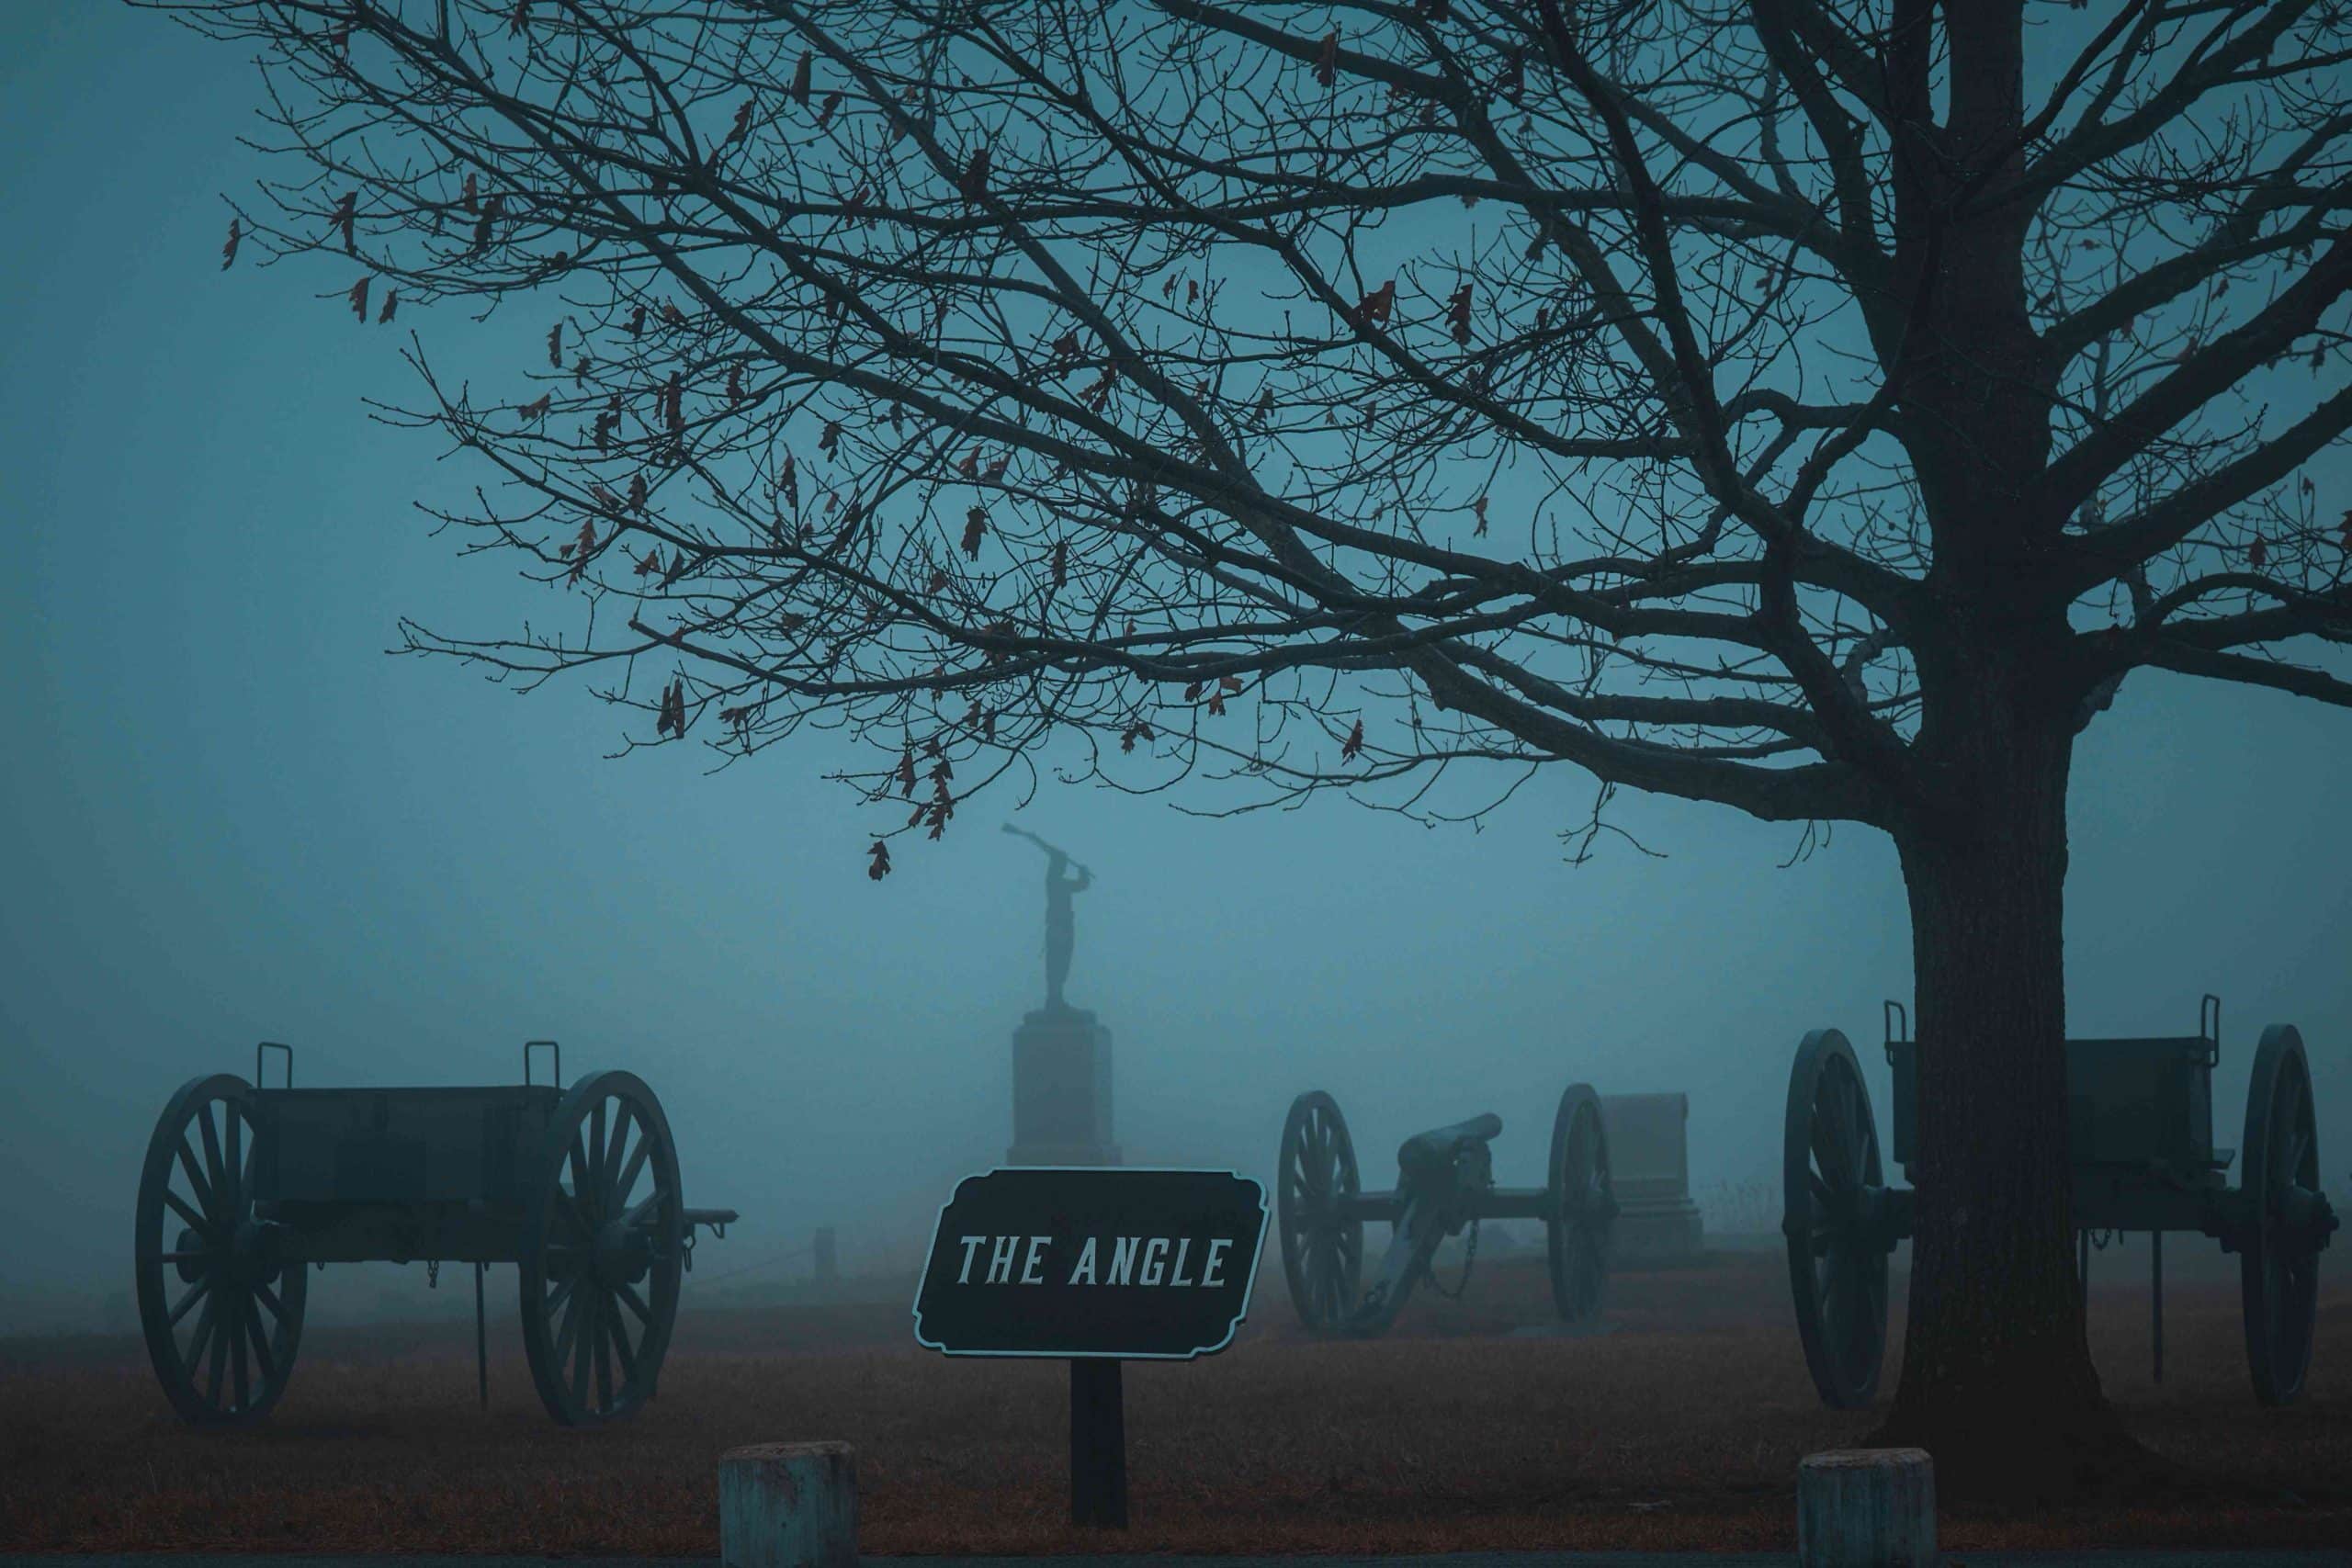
(1444, 1182)
(245, 1186)
(2139, 1134)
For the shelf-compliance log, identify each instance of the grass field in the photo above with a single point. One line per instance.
(1679, 1425)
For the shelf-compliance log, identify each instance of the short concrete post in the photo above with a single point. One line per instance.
(1866, 1508)
(788, 1505)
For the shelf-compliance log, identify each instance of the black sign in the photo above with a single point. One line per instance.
(1138, 1265)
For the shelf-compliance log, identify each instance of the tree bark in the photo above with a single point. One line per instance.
(1997, 1380)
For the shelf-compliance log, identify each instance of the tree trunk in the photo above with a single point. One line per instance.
(1997, 1380)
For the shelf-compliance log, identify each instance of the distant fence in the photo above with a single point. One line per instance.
(1749, 1208)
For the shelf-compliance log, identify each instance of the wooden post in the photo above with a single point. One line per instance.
(1866, 1508)
(1098, 1445)
(788, 1505)
(482, 1337)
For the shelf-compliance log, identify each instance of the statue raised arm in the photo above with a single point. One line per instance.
(1061, 934)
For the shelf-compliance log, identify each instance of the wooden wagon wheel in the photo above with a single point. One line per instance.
(1580, 1208)
(603, 1243)
(1836, 1259)
(2287, 1221)
(221, 1308)
(1322, 1251)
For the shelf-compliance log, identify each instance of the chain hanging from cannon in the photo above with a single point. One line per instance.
(1445, 1183)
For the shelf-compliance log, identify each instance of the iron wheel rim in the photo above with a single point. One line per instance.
(220, 1310)
(1836, 1268)
(603, 1252)
(1322, 1253)
(1580, 1220)
(2279, 1270)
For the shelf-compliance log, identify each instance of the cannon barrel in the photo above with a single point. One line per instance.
(1436, 1148)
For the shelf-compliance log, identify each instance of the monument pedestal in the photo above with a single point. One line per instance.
(1650, 1168)
(1061, 1090)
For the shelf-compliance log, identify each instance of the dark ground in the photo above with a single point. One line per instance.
(1679, 1427)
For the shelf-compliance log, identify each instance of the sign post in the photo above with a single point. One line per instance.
(1095, 1265)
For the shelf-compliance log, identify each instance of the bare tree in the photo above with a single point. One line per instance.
(1809, 406)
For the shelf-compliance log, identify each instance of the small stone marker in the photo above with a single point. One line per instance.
(1866, 1508)
(788, 1505)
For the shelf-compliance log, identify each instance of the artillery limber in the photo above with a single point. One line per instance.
(244, 1187)
(1445, 1182)
(2140, 1129)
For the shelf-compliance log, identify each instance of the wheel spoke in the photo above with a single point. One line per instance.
(583, 1189)
(220, 1172)
(569, 1328)
(622, 1354)
(268, 1299)
(566, 1207)
(596, 1147)
(1850, 1128)
(625, 1182)
(1824, 1149)
(636, 1303)
(1825, 1294)
(196, 1293)
(624, 1117)
(262, 1358)
(196, 1181)
(198, 1342)
(198, 1223)
(636, 1216)
(559, 1296)
(233, 1115)
(2291, 1167)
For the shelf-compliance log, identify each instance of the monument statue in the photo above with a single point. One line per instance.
(1061, 926)
(1062, 1054)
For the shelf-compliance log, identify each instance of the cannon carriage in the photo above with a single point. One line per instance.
(244, 1185)
(2140, 1129)
(1444, 1184)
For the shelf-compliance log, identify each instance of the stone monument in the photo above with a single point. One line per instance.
(1649, 1164)
(1062, 1054)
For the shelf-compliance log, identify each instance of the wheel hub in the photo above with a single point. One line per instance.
(623, 1255)
(2305, 1217)
(255, 1255)
(188, 1267)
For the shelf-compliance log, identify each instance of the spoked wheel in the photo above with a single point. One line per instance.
(221, 1307)
(1830, 1189)
(1581, 1214)
(2288, 1220)
(1322, 1250)
(603, 1247)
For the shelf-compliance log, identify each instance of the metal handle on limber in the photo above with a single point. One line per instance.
(2210, 1008)
(531, 1046)
(274, 1045)
(1893, 1010)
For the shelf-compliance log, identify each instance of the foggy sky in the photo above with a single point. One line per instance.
(229, 817)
